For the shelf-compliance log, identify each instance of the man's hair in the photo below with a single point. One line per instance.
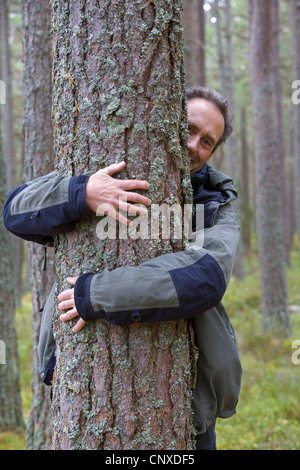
(211, 95)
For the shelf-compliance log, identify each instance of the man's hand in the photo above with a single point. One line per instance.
(105, 193)
(66, 299)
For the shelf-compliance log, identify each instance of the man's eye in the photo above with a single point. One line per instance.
(206, 142)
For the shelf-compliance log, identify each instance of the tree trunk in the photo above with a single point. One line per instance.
(295, 10)
(280, 133)
(38, 161)
(226, 79)
(238, 269)
(8, 134)
(10, 399)
(8, 137)
(269, 228)
(246, 211)
(190, 30)
(201, 48)
(119, 95)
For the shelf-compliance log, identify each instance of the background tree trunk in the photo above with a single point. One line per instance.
(201, 48)
(246, 211)
(280, 133)
(269, 227)
(191, 42)
(11, 417)
(8, 139)
(295, 11)
(38, 161)
(119, 94)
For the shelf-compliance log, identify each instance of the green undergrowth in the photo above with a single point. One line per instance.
(268, 413)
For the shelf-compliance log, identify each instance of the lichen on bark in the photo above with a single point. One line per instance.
(119, 95)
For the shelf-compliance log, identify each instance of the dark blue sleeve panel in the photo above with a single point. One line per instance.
(199, 287)
(40, 225)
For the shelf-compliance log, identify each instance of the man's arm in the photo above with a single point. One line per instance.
(169, 287)
(52, 204)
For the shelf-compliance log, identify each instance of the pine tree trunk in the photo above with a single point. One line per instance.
(295, 11)
(38, 161)
(268, 200)
(119, 94)
(8, 139)
(246, 211)
(280, 132)
(201, 45)
(11, 417)
(191, 47)
(231, 146)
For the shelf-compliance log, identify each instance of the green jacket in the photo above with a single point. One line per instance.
(188, 284)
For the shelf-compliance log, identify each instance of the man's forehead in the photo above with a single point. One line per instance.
(202, 111)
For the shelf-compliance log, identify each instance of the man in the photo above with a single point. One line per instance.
(189, 284)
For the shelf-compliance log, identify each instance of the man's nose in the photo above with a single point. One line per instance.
(193, 144)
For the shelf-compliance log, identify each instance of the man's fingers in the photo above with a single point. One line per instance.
(127, 185)
(79, 325)
(69, 315)
(137, 198)
(72, 280)
(65, 304)
(124, 184)
(113, 168)
(66, 295)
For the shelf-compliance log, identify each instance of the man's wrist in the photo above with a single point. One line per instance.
(82, 297)
(77, 196)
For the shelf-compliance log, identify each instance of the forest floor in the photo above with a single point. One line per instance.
(268, 413)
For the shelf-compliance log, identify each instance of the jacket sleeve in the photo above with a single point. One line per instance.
(169, 287)
(46, 206)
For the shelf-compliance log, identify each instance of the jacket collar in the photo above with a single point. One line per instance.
(211, 188)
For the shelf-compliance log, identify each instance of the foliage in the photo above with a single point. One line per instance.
(268, 414)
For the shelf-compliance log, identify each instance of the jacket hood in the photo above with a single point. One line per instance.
(223, 183)
(211, 188)
(212, 185)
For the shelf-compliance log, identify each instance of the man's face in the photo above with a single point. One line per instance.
(206, 126)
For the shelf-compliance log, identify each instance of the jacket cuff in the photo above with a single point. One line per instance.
(77, 187)
(83, 299)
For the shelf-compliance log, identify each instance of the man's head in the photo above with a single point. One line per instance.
(209, 122)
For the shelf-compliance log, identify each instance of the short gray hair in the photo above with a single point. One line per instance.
(211, 95)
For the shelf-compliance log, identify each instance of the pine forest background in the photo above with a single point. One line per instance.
(221, 53)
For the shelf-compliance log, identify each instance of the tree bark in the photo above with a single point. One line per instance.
(38, 161)
(8, 138)
(246, 210)
(269, 227)
(191, 46)
(201, 48)
(11, 417)
(280, 133)
(119, 95)
(295, 11)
